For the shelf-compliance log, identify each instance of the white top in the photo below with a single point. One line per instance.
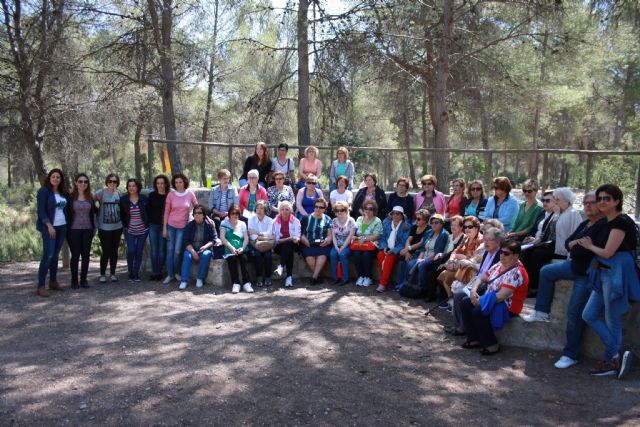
(347, 196)
(567, 223)
(257, 227)
(59, 219)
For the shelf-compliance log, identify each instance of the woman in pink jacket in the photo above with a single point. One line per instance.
(250, 194)
(430, 198)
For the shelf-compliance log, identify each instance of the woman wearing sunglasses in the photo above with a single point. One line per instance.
(343, 228)
(81, 214)
(200, 237)
(476, 200)
(316, 239)
(109, 226)
(365, 243)
(528, 212)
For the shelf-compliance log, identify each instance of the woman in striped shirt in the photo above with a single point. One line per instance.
(135, 221)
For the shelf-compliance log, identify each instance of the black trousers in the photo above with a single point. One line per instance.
(364, 262)
(233, 262)
(263, 263)
(286, 251)
(533, 260)
(80, 246)
(109, 242)
(477, 325)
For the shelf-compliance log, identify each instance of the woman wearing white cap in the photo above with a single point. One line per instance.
(395, 231)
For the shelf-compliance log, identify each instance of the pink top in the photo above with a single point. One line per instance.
(308, 168)
(177, 208)
(245, 193)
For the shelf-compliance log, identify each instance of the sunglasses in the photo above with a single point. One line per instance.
(475, 189)
(320, 207)
(311, 182)
(396, 213)
(588, 203)
(82, 181)
(547, 200)
(604, 198)
(339, 210)
(369, 209)
(427, 183)
(469, 227)
(436, 222)
(234, 214)
(279, 179)
(112, 181)
(198, 213)
(506, 253)
(419, 219)
(529, 191)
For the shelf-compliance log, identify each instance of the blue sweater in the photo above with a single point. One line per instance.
(508, 211)
(401, 236)
(623, 277)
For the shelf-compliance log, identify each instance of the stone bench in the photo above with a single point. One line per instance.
(551, 335)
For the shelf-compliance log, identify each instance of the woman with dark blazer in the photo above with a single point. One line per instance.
(135, 222)
(52, 225)
(371, 190)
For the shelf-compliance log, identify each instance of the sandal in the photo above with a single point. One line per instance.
(487, 352)
(469, 344)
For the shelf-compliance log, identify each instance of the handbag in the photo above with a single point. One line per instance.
(365, 246)
(263, 245)
(464, 274)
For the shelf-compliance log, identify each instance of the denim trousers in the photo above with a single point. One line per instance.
(80, 247)
(609, 329)
(203, 264)
(174, 249)
(343, 258)
(135, 247)
(50, 252)
(404, 267)
(158, 248)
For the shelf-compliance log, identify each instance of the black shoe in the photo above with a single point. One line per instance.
(74, 286)
(313, 281)
(337, 282)
(267, 281)
(137, 278)
(84, 285)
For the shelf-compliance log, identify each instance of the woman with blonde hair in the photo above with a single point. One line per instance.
(429, 198)
(309, 165)
(342, 166)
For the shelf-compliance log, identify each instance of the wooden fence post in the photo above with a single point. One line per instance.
(488, 173)
(587, 174)
(545, 170)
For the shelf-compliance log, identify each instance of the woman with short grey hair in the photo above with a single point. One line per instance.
(568, 220)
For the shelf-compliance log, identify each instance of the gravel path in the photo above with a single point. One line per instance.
(146, 354)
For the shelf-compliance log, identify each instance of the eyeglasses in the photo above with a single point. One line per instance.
(339, 210)
(427, 183)
(82, 181)
(369, 209)
(546, 200)
(589, 203)
(396, 213)
(419, 219)
(113, 181)
(279, 179)
(234, 213)
(604, 198)
(475, 189)
(434, 222)
(320, 207)
(198, 213)
(469, 227)
(529, 191)
(506, 253)
(311, 182)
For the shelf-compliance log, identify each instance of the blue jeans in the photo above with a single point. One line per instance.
(203, 264)
(158, 248)
(135, 246)
(609, 329)
(174, 249)
(404, 267)
(50, 252)
(344, 262)
(550, 274)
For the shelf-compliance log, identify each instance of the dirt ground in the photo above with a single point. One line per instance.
(148, 354)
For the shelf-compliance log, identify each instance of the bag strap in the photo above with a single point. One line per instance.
(502, 274)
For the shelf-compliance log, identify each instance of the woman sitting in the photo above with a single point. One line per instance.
(235, 239)
(395, 232)
(342, 166)
(200, 237)
(221, 197)
(429, 198)
(364, 245)
(343, 227)
(476, 200)
(316, 239)
(309, 165)
(465, 260)
(259, 162)
(370, 191)
(305, 199)
(528, 212)
(279, 192)
(262, 241)
(250, 194)
(342, 192)
(457, 201)
(402, 198)
(502, 206)
(413, 248)
(287, 231)
(506, 290)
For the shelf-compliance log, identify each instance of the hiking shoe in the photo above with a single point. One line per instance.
(236, 288)
(167, 280)
(288, 282)
(183, 285)
(537, 316)
(604, 369)
(625, 364)
(42, 292)
(565, 362)
(199, 283)
(247, 288)
(102, 279)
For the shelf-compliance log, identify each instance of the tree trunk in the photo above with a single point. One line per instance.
(304, 133)
(136, 146)
(406, 136)
(150, 157)
(533, 157)
(425, 131)
(210, 86)
(9, 180)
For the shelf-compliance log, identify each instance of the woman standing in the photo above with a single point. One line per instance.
(476, 200)
(52, 225)
(262, 240)
(109, 226)
(287, 232)
(305, 199)
(613, 280)
(364, 245)
(429, 198)
(279, 192)
(282, 163)
(81, 213)
(157, 200)
(135, 219)
(343, 227)
(200, 237)
(316, 239)
(402, 198)
(235, 239)
(250, 194)
(527, 213)
(395, 232)
(258, 161)
(342, 166)
(371, 191)
(309, 165)
(180, 202)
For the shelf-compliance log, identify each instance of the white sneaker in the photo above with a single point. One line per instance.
(102, 279)
(625, 364)
(278, 271)
(288, 282)
(247, 288)
(114, 278)
(167, 280)
(178, 277)
(183, 285)
(565, 362)
(537, 316)
(366, 282)
(199, 283)
(359, 281)
(236, 288)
